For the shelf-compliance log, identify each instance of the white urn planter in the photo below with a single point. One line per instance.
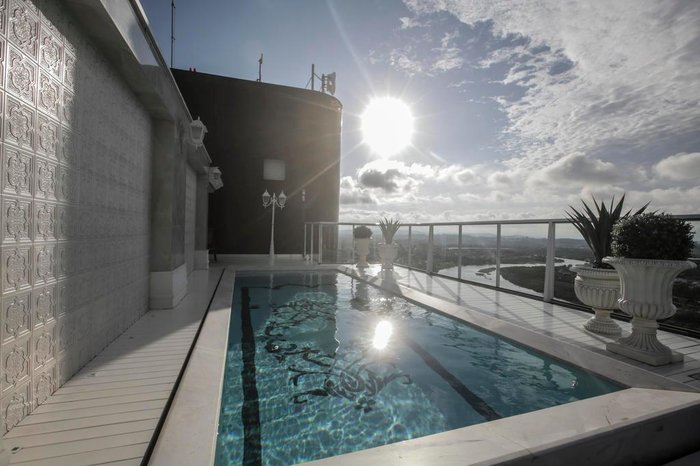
(362, 249)
(646, 295)
(388, 254)
(599, 289)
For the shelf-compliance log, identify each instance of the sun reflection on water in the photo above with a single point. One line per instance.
(382, 334)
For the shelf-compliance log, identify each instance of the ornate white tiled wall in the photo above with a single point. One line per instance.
(74, 192)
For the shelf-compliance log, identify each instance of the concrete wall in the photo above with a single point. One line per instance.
(249, 122)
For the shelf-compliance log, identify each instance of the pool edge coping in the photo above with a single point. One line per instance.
(193, 420)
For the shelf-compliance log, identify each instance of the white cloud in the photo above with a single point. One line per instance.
(680, 167)
(594, 73)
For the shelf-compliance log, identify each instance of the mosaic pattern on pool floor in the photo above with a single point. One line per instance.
(322, 364)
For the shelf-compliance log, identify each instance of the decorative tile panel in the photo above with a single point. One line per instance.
(16, 266)
(43, 306)
(15, 406)
(19, 123)
(17, 220)
(21, 76)
(43, 346)
(45, 176)
(43, 263)
(3, 17)
(44, 385)
(50, 53)
(48, 137)
(44, 221)
(23, 30)
(15, 363)
(16, 317)
(17, 172)
(49, 97)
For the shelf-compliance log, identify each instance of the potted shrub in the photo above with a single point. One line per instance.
(388, 250)
(362, 236)
(597, 284)
(649, 251)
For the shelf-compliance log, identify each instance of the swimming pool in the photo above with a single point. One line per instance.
(320, 364)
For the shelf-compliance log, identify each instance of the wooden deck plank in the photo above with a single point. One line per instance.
(89, 458)
(114, 385)
(101, 378)
(109, 401)
(39, 418)
(60, 397)
(81, 423)
(92, 444)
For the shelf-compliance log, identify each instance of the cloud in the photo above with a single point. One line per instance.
(679, 167)
(352, 194)
(373, 178)
(620, 74)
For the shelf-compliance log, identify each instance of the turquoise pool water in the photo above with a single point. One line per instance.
(320, 364)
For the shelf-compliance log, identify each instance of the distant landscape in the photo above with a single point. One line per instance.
(528, 251)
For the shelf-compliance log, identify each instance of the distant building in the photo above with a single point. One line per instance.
(266, 137)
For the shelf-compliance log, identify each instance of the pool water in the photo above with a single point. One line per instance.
(320, 364)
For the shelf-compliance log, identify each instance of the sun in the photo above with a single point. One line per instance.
(387, 126)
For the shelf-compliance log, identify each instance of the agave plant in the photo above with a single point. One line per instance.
(596, 226)
(389, 227)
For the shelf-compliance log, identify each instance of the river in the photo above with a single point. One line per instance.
(472, 273)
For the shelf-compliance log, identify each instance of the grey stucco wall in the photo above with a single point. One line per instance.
(75, 184)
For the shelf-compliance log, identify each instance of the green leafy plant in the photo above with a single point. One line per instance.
(653, 236)
(361, 232)
(596, 226)
(389, 227)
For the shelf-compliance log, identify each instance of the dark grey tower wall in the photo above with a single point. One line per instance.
(249, 122)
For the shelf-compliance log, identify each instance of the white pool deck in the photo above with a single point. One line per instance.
(109, 411)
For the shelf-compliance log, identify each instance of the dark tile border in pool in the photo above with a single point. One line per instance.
(189, 434)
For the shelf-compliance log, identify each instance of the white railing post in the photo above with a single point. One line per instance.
(320, 243)
(548, 294)
(304, 255)
(429, 261)
(498, 255)
(311, 250)
(459, 254)
(410, 245)
(352, 245)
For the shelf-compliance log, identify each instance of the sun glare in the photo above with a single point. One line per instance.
(387, 126)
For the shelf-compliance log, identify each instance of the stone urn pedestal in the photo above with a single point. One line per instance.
(646, 295)
(362, 250)
(388, 254)
(599, 289)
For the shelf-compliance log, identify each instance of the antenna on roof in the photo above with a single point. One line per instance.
(172, 30)
(327, 81)
(260, 62)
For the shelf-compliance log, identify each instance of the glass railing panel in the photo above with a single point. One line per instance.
(419, 247)
(329, 243)
(478, 255)
(523, 257)
(569, 249)
(345, 251)
(401, 239)
(686, 291)
(445, 247)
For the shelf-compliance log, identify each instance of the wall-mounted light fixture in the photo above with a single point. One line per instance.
(197, 132)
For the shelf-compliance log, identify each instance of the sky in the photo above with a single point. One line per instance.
(521, 107)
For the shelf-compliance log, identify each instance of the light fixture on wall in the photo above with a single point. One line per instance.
(197, 132)
(273, 201)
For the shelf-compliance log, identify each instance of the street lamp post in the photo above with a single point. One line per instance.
(273, 201)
